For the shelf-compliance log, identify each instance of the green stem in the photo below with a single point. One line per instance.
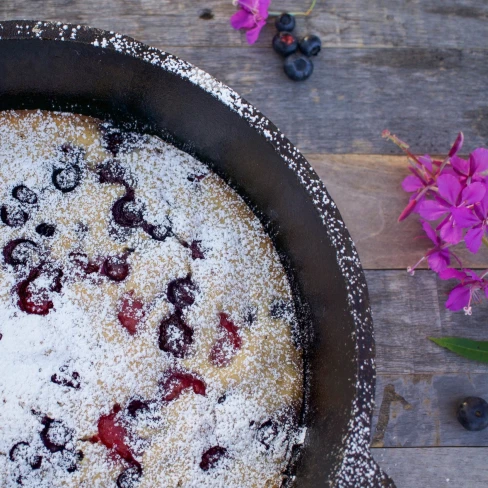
(304, 14)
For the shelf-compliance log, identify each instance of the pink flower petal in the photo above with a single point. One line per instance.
(483, 206)
(465, 217)
(242, 20)
(263, 8)
(460, 165)
(253, 34)
(473, 238)
(431, 233)
(458, 298)
(432, 209)
(478, 160)
(438, 261)
(412, 183)
(450, 232)
(473, 193)
(451, 273)
(449, 188)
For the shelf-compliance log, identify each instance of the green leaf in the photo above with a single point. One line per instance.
(475, 350)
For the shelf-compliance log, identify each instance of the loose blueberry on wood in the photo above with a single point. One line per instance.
(66, 179)
(285, 22)
(13, 216)
(285, 43)
(310, 45)
(472, 413)
(24, 195)
(298, 68)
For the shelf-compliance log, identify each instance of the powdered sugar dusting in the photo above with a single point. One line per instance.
(64, 370)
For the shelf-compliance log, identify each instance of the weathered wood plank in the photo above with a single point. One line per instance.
(435, 467)
(420, 410)
(367, 190)
(407, 310)
(427, 23)
(425, 96)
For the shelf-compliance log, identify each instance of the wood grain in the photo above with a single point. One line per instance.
(406, 311)
(424, 90)
(379, 23)
(420, 410)
(367, 190)
(435, 467)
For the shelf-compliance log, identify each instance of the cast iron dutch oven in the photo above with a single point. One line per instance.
(99, 73)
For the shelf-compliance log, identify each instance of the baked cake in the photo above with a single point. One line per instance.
(147, 328)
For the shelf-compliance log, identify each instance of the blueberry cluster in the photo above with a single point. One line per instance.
(298, 67)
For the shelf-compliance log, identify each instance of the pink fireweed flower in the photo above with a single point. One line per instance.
(439, 257)
(251, 17)
(474, 169)
(475, 219)
(468, 291)
(451, 195)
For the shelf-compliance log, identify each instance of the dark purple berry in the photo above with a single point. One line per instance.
(158, 232)
(13, 216)
(111, 171)
(21, 452)
(71, 460)
(175, 336)
(1, 336)
(136, 405)
(55, 435)
(211, 457)
(65, 378)
(66, 179)
(285, 43)
(115, 268)
(24, 195)
(117, 140)
(285, 22)
(127, 212)
(473, 413)
(180, 292)
(266, 433)
(129, 477)
(222, 399)
(46, 230)
(18, 251)
(310, 45)
(298, 68)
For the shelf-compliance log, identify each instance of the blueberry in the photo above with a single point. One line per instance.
(46, 230)
(55, 435)
(285, 23)
(24, 195)
(66, 179)
(13, 216)
(129, 477)
(211, 457)
(473, 413)
(298, 68)
(284, 43)
(310, 45)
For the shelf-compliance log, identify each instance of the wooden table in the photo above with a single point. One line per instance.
(416, 67)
